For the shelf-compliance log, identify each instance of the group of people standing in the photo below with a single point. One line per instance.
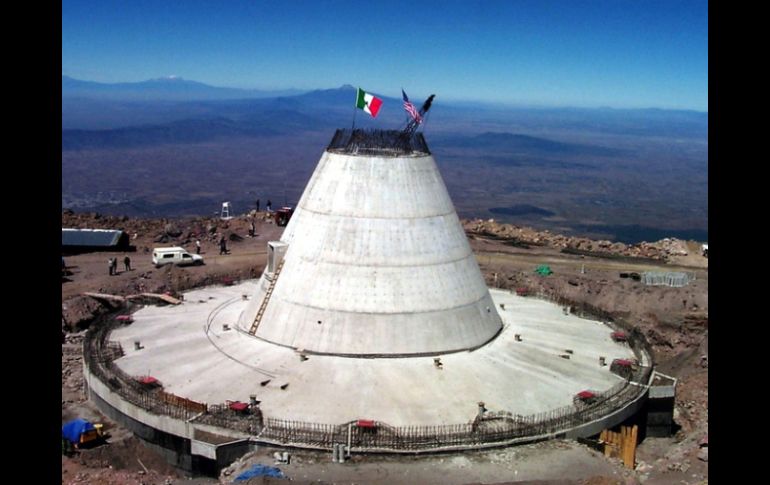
(113, 265)
(222, 246)
(268, 206)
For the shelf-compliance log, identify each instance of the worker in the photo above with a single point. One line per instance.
(222, 246)
(127, 263)
(197, 246)
(269, 206)
(111, 267)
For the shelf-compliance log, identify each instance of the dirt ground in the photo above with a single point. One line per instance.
(675, 321)
(546, 462)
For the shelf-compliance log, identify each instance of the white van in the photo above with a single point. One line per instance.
(178, 256)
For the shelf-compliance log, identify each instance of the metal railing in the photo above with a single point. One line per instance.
(483, 431)
(377, 142)
(221, 415)
(634, 337)
(99, 355)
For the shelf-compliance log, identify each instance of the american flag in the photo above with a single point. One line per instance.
(409, 107)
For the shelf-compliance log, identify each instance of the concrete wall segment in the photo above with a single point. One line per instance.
(377, 187)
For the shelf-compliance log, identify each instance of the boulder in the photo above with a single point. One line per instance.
(172, 230)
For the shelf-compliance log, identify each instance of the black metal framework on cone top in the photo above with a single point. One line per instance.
(378, 142)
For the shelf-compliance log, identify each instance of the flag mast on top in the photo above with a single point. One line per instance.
(410, 109)
(417, 117)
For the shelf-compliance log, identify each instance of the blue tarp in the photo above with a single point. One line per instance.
(260, 471)
(73, 429)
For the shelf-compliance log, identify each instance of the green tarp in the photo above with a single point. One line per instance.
(543, 270)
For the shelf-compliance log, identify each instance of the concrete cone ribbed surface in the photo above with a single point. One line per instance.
(377, 264)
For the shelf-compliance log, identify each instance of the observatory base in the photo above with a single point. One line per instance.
(190, 351)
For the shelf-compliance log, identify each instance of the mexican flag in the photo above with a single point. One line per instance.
(368, 103)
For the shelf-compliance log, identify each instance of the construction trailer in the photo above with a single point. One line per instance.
(76, 241)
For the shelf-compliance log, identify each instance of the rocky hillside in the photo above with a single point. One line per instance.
(668, 249)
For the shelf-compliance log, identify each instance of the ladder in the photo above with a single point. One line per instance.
(258, 318)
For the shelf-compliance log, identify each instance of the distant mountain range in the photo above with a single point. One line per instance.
(162, 89)
(161, 104)
(93, 105)
(560, 168)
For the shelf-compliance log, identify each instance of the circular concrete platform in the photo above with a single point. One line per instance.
(188, 349)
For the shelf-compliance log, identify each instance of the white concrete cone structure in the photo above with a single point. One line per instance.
(375, 262)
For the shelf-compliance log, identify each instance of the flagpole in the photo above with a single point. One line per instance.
(355, 108)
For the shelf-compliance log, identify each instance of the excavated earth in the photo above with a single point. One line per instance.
(674, 320)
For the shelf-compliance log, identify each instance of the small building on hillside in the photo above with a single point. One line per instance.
(74, 241)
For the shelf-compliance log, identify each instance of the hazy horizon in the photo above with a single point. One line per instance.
(460, 101)
(554, 54)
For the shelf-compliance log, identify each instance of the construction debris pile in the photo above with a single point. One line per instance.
(660, 250)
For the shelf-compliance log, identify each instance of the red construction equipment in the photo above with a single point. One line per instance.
(148, 381)
(619, 336)
(283, 215)
(585, 397)
(623, 367)
(238, 407)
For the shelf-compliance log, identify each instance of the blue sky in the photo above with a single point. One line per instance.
(620, 54)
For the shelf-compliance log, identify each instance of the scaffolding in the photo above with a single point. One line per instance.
(226, 214)
(378, 142)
